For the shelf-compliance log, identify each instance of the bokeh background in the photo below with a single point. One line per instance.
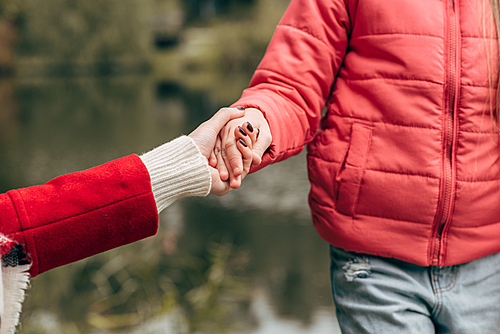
(86, 81)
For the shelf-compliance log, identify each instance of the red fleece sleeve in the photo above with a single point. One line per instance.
(81, 214)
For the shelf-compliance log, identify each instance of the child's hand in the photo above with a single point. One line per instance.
(206, 137)
(206, 134)
(245, 137)
(233, 159)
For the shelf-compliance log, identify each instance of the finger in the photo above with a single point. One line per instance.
(219, 187)
(220, 165)
(234, 157)
(246, 154)
(256, 159)
(230, 152)
(212, 160)
(233, 160)
(224, 115)
(261, 145)
(205, 134)
(244, 143)
(253, 134)
(240, 133)
(250, 130)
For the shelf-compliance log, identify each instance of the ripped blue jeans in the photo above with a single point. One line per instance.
(373, 294)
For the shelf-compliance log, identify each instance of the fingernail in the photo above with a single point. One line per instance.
(242, 131)
(242, 142)
(258, 133)
(240, 108)
(249, 127)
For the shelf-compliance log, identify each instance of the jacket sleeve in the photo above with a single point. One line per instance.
(84, 213)
(81, 214)
(293, 81)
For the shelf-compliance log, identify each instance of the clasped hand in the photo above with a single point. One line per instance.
(233, 140)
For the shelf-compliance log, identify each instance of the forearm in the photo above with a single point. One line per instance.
(177, 169)
(294, 79)
(81, 214)
(288, 129)
(84, 213)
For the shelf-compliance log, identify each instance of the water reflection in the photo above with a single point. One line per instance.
(250, 262)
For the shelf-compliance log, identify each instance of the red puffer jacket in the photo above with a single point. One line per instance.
(81, 214)
(405, 163)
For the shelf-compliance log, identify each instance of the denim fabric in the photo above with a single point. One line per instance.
(382, 295)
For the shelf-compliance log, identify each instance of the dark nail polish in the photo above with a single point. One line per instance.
(242, 131)
(242, 142)
(249, 127)
(240, 108)
(258, 133)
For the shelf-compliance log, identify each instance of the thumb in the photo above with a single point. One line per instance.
(223, 116)
(219, 187)
(256, 159)
(259, 148)
(258, 151)
(206, 134)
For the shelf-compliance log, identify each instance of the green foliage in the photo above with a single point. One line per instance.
(82, 31)
(122, 289)
(212, 302)
(10, 9)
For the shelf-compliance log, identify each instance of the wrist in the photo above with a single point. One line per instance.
(177, 169)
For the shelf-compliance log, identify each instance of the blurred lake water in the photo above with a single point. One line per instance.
(274, 268)
(250, 262)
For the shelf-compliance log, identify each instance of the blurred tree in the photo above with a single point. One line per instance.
(73, 35)
(166, 23)
(10, 12)
(206, 10)
(9, 9)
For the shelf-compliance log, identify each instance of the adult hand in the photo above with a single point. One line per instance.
(205, 137)
(237, 165)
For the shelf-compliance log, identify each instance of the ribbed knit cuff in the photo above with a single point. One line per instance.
(177, 169)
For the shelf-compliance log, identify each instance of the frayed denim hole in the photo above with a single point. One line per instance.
(357, 268)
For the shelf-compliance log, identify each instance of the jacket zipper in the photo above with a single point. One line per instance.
(446, 192)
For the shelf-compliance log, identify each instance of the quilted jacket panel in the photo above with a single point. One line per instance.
(405, 163)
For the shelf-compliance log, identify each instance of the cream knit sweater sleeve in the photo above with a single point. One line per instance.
(177, 169)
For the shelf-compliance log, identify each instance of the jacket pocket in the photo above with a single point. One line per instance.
(350, 174)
